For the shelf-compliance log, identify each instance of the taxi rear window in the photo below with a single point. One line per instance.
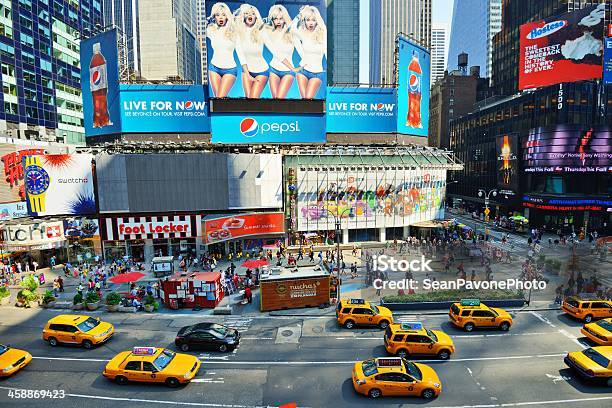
(454, 309)
(573, 302)
(346, 310)
(369, 368)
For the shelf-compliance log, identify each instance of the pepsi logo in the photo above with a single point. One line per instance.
(413, 82)
(188, 105)
(379, 106)
(249, 127)
(96, 78)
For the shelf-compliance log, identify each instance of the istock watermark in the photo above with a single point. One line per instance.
(385, 263)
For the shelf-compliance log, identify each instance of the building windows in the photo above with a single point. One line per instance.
(25, 22)
(7, 49)
(46, 65)
(6, 30)
(28, 58)
(9, 89)
(10, 108)
(26, 4)
(8, 69)
(30, 94)
(26, 39)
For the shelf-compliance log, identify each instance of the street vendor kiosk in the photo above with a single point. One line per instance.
(290, 288)
(192, 289)
(162, 266)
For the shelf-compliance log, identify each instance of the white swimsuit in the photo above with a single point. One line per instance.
(250, 53)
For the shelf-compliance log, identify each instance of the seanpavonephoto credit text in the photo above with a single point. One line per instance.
(430, 284)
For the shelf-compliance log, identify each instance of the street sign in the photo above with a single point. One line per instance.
(537, 248)
(487, 211)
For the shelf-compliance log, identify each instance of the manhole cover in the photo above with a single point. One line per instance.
(287, 333)
(317, 329)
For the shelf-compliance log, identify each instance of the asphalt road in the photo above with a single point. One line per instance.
(308, 361)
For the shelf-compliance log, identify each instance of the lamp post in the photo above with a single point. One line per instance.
(482, 193)
(338, 225)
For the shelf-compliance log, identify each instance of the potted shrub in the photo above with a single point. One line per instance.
(149, 303)
(48, 300)
(28, 293)
(77, 302)
(92, 301)
(5, 295)
(112, 301)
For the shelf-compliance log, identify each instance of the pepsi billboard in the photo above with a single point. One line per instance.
(361, 110)
(100, 84)
(274, 49)
(413, 88)
(267, 128)
(164, 109)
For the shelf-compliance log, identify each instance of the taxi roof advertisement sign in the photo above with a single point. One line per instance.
(563, 48)
(282, 44)
(361, 110)
(412, 88)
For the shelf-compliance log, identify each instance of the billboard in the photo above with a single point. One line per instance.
(267, 49)
(59, 184)
(563, 48)
(242, 225)
(100, 84)
(368, 197)
(607, 64)
(267, 128)
(12, 187)
(81, 228)
(568, 148)
(412, 88)
(11, 211)
(164, 108)
(361, 110)
(507, 163)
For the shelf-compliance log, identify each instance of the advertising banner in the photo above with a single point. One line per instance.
(607, 64)
(100, 84)
(566, 204)
(412, 88)
(368, 197)
(267, 49)
(226, 228)
(361, 110)
(568, 148)
(151, 227)
(12, 187)
(563, 48)
(81, 228)
(42, 234)
(267, 128)
(59, 184)
(164, 108)
(10, 211)
(507, 164)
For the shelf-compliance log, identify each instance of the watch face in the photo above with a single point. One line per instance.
(37, 180)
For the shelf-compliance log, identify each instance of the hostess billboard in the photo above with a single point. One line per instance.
(412, 88)
(267, 128)
(164, 108)
(361, 110)
(563, 48)
(267, 49)
(100, 84)
(607, 64)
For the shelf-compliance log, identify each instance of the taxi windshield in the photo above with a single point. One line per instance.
(605, 325)
(494, 312)
(88, 324)
(369, 368)
(375, 309)
(454, 309)
(596, 357)
(432, 335)
(413, 370)
(3, 349)
(164, 359)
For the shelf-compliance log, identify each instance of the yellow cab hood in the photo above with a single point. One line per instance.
(357, 370)
(10, 356)
(383, 311)
(181, 364)
(502, 313)
(428, 373)
(103, 327)
(443, 338)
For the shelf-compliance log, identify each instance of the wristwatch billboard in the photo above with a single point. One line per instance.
(36, 183)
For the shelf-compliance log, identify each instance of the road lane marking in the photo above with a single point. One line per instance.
(527, 403)
(556, 378)
(543, 319)
(257, 338)
(151, 401)
(572, 338)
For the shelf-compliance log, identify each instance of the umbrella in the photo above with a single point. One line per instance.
(127, 277)
(254, 263)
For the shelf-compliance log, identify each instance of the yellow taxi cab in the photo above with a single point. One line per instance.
(12, 360)
(599, 332)
(587, 309)
(470, 313)
(395, 376)
(353, 312)
(411, 338)
(151, 364)
(594, 363)
(77, 329)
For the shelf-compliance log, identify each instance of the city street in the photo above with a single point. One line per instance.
(308, 361)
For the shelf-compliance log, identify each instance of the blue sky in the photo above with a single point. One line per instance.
(442, 12)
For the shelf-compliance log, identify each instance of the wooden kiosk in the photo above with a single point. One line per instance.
(192, 289)
(290, 288)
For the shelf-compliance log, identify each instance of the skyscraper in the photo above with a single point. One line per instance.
(438, 51)
(167, 40)
(201, 36)
(475, 22)
(39, 54)
(343, 40)
(387, 19)
(124, 15)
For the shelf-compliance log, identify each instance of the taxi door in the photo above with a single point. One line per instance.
(416, 344)
(67, 333)
(405, 385)
(363, 315)
(133, 371)
(149, 372)
(483, 318)
(601, 309)
(385, 382)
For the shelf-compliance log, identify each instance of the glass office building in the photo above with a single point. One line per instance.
(343, 37)
(124, 15)
(39, 55)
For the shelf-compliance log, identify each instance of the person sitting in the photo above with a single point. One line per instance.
(137, 304)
